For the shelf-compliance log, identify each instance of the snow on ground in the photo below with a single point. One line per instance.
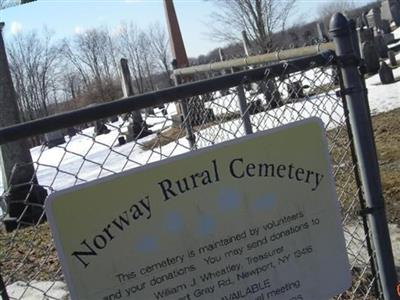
(384, 97)
(81, 159)
(43, 290)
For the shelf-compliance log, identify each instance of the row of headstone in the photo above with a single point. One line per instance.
(57, 137)
(374, 34)
(391, 11)
(322, 33)
(377, 18)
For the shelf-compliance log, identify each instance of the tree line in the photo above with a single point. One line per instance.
(52, 75)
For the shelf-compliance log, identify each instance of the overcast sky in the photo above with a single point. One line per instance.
(67, 17)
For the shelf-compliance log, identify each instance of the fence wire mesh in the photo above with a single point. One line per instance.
(28, 259)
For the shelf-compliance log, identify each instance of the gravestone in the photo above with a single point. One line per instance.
(360, 22)
(386, 26)
(295, 90)
(365, 35)
(256, 106)
(113, 119)
(386, 74)
(271, 93)
(149, 111)
(380, 44)
(72, 131)
(322, 34)
(388, 38)
(370, 56)
(121, 140)
(354, 38)
(365, 20)
(374, 18)
(54, 138)
(100, 128)
(385, 10)
(392, 58)
(137, 127)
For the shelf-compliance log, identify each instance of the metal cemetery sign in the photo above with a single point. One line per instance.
(255, 218)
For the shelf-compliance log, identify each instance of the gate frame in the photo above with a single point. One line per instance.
(354, 94)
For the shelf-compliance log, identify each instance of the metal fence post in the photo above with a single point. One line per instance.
(244, 112)
(361, 127)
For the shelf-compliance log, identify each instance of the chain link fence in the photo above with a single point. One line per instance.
(181, 119)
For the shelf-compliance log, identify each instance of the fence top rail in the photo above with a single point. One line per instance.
(257, 59)
(177, 93)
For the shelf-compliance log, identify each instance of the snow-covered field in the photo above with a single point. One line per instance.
(84, 158)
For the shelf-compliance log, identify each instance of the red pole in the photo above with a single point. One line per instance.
(175, 36)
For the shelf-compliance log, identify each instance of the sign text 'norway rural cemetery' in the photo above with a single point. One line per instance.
(255, 218)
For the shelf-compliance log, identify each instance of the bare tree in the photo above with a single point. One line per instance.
(259, 18)
(327, 9)
(33, 64)
(133, 48)
(160, 49)
(93, 54)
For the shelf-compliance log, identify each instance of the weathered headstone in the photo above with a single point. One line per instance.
(385, 10)
(100, 128)
(386, 74)
(392, 58)
(354, 38)
(113, 119)
(121, 140)
(365, 20)
(246, 43)
(54, 138)
(256, 106)
(137, 127)
(71, 131)
(388, 38)
(374, 18)
(370, 56)
(365, 35)
(271, 92)
(386, 26)
(380, 44)
(322, 34)
(295, 90)
(360, 22)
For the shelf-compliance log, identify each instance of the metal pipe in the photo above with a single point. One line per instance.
(364, 144)
(257, 59)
